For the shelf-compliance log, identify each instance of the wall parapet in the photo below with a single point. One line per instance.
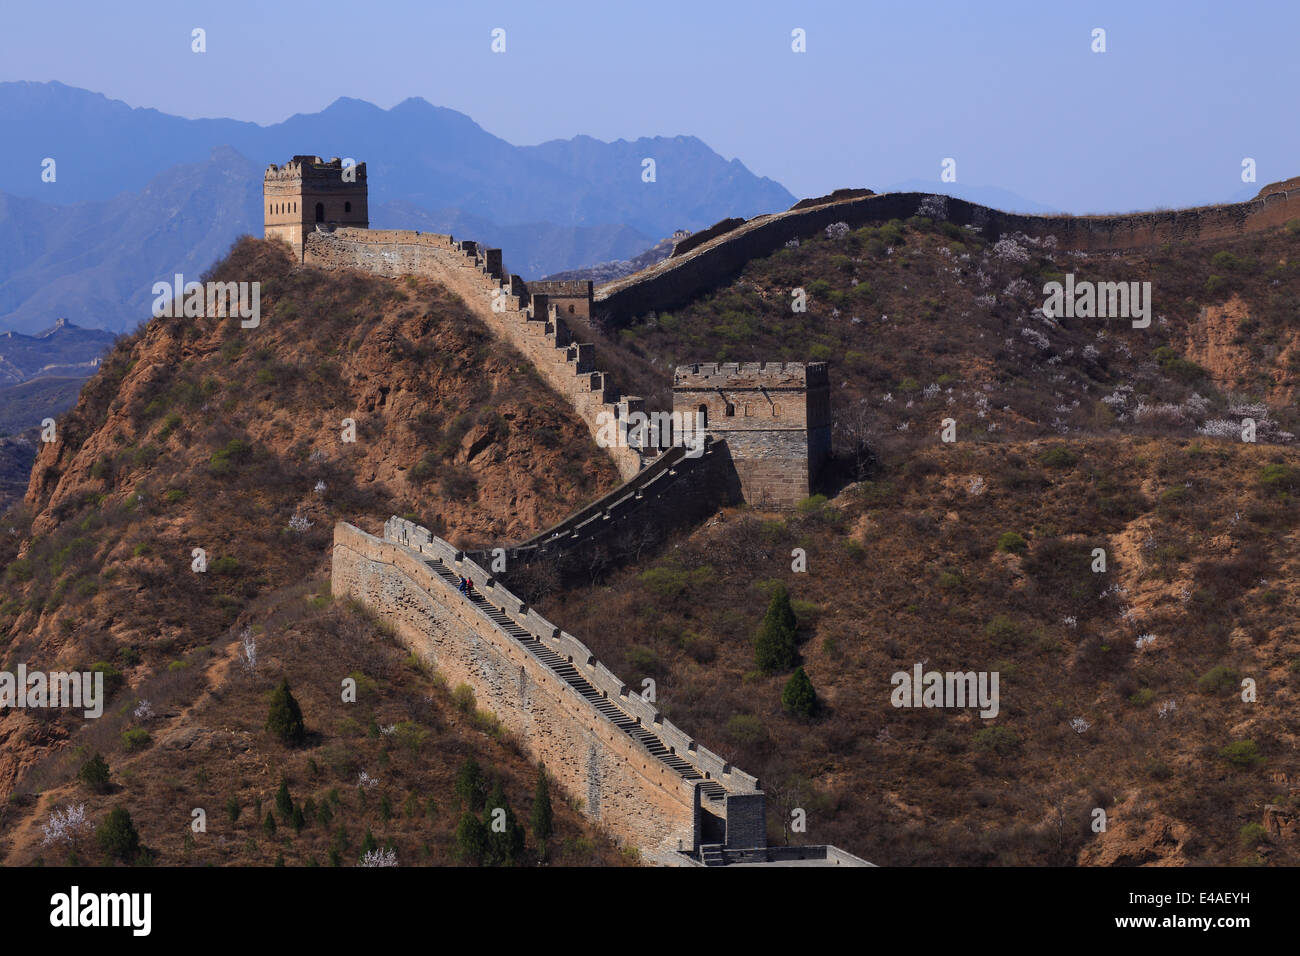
(408, 534)
(640, 797)
(675, 281)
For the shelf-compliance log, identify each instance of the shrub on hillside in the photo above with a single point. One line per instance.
(469, 784)
(1243, 754)
(1280, 479)
(1218, 680)
(225, 460)
(471, 838)
(94, 774)
(1012, 543)
(798, 697)
(117, 835)
(997, 740)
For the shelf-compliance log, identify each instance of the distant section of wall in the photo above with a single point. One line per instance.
(677, 280)
(532, 323)
(697, 239)
(569, 296)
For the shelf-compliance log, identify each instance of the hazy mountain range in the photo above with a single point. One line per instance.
(139, 194)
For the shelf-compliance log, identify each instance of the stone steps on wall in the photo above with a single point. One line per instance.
(711, 854)
(566, 671)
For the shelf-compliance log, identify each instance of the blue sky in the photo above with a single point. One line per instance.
(884, 93)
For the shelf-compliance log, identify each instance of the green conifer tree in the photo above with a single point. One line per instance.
(285, 717)
(798, 698)
(543, 817)
(774, 647)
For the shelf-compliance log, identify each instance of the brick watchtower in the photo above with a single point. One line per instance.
(774, 416)
(306, 191)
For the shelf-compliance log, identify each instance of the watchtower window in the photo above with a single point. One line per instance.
(776, 411)
(731, 409)
(570, 310)
(347, 207)
(320, 212)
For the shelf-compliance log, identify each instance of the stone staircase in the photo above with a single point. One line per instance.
(711, 854)
(710, 789)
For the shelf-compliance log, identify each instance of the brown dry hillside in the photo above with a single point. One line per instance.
(1119, 690)
(923, 320)
(197, 433)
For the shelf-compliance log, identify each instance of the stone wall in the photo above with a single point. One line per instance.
(641, 805)
(774, 418)
(531, 323)
(637, 797)
(671, 493)
(291, 194)
(676, 280)
(569, 296)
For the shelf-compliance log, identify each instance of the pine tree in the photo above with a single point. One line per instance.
(269, 823)
(94, 773)
(285, 717)
(299, 819)
(117, 835)
(798, 697)
(543, 818)
(284, 802)
(505, 837)
(471, 838)
(368, 843)
(469, 784)
(774, 648)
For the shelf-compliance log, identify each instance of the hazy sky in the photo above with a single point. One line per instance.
(1011, 90)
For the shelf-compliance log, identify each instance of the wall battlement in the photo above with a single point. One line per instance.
(307, 193)
(312, 169)
(713, 258)
(752, 375)
(649, 783)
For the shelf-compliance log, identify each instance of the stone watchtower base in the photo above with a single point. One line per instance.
(774, 417)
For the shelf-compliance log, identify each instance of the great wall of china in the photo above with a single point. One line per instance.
(647, 782)
(710, 256)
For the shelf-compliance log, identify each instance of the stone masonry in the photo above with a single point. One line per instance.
(774, 417)
(308, 190)
(645, 781)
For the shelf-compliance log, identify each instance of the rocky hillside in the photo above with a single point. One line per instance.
(1122, 690)
(923, 320)
(1119, 689)
(200, 434)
